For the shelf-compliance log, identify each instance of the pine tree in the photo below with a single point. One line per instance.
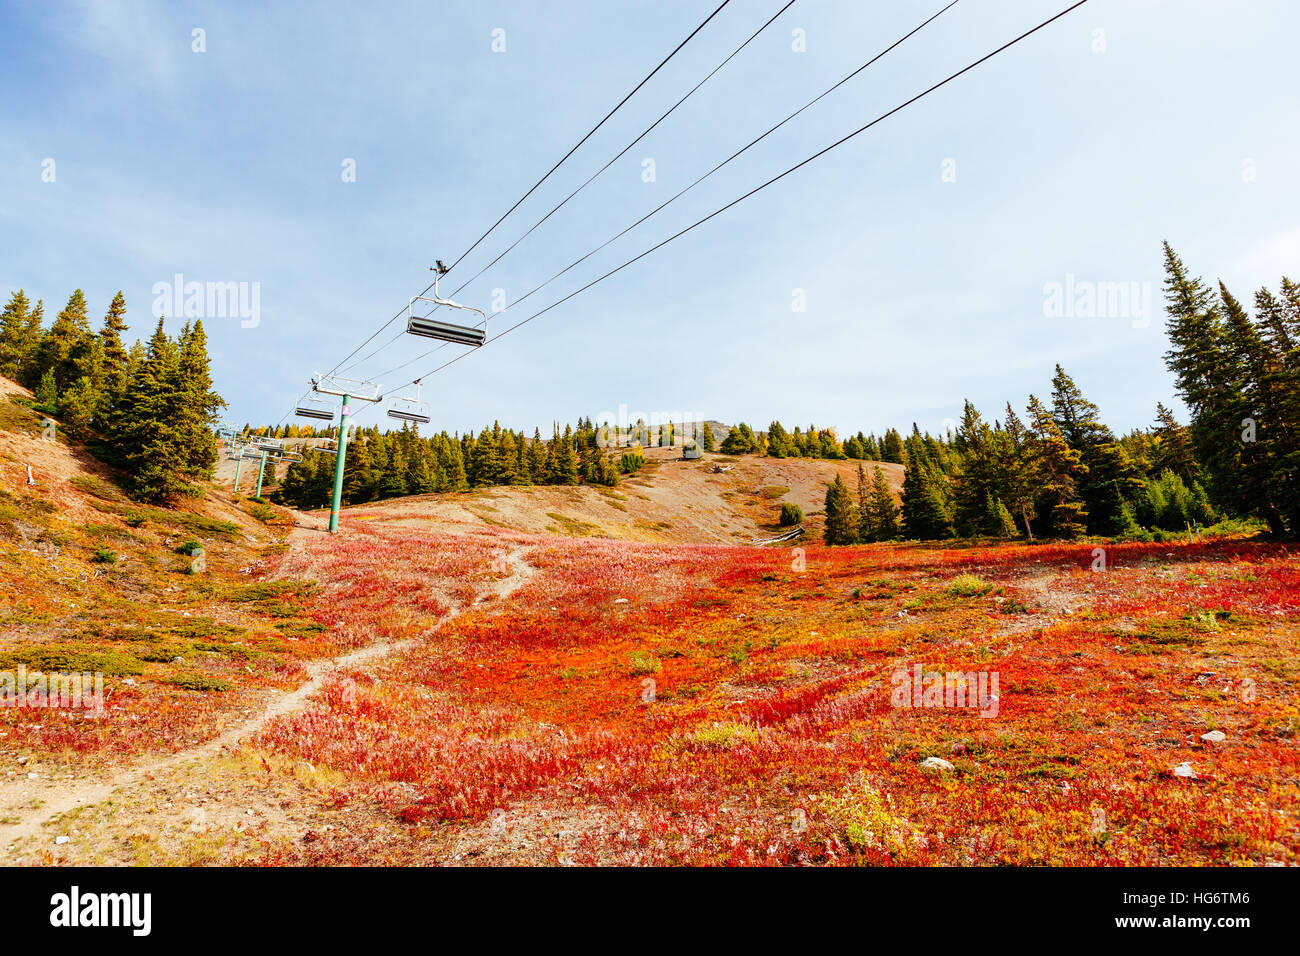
(1109, 478)
(1174, 447)
(1022, 473)
(841, 521)
(739, 441)
(198, 404)
(358, 475)
(925, 513)
(62, 346)
(864, 512)
(706, 438)
(1057, 467)
(1207, 380)
(565, 464)
(47, 392)
(882, 514)
(892, 448)
(14, 344)
(146, 434)
(110, 334)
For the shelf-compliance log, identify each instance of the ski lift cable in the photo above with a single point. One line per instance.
(862, 129)
(621, 153)
(702, 178)
(644, 133)
(649, 76)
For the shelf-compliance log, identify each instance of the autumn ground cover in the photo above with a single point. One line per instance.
(689, 704)
(402, 694)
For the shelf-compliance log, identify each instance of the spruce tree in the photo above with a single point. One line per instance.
(13, 334)
(882, 513)
(62, 346)
(197, 404)
(1057, 466)
(110, 334)
(841, 521)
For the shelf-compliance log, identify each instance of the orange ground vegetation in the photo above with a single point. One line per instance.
(694, 704)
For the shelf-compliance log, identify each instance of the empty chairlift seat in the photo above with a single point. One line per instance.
(317, 408)
(445, 331)
(430, 328)
(411, 409)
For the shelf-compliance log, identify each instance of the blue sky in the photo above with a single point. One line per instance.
(1075, 154)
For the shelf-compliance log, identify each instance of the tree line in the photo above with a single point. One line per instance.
(813, 442)
(381, 465)
(147, 409)
(1060, 472)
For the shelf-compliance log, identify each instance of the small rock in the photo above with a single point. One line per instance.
(60, 840)
(178, 660)
(937, 764)
(1184, 769)
(621, 601)
(1214, 737)
(302, 766)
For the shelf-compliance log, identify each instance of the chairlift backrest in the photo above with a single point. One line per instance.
(445, 331)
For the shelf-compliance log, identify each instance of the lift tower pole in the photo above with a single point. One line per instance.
(261, 469)
(337, 501)
(349, 390)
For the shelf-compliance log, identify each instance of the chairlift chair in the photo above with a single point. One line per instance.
(411, 409)
(317, 408)
(430, 328)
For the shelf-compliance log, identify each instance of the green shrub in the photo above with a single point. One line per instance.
(96, 487)
(104, 556)
(967, 585)
(641, 663)
(201, 682)
(723, 737)
(791, 515)
(72, 660)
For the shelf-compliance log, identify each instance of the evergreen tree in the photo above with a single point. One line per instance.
(892, 448)
(739, 441)
(1174, 447)
(565, 462)
(1109, 478)
(925, 513)
(864, 512)
(706, 438)
(882, 515)
(146, 436)
(62, 346)
(197, 403)
(110, 334)
(841, 521)
(1056, 466)
(1022, 473)
(15, 344)
(47, 392)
